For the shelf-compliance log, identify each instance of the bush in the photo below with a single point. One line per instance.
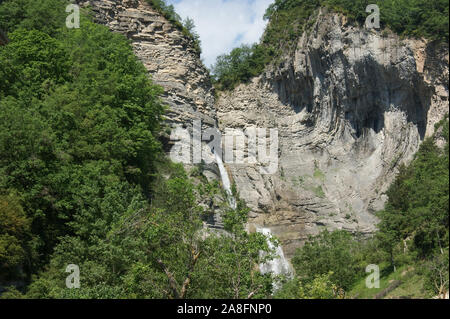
(335, 252)
(240, 65)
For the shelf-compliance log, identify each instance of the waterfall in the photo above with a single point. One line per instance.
(279, 265)
(225, 180)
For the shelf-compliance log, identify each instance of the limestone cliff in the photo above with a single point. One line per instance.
(350, 105)
(166, 52)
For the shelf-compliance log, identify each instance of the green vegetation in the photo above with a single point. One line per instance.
(335, 252)
(319, 191)
(417, 210)
(406, 17)
(242, 64)
(14, 237)
(84, 180)
(78, 118)
(320, 287)
(411, 245)
(158, 251)
(288, 19)
(318, 174)
(405, 282)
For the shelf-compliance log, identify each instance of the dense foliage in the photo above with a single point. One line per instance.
(75, 105)
(417, 209)
(14, 237)
(288, 19)
(83, 179)
(242, 64)
(334, 253)
(413, 231)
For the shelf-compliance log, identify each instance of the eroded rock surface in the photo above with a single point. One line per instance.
(166, 52)
(350, 105)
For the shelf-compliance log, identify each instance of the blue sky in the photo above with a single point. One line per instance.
(224, 24)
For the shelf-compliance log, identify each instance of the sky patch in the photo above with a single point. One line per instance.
(224, 24)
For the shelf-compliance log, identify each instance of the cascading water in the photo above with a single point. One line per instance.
(279, 265)
(225, 180)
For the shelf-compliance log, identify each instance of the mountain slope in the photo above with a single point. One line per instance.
(350, 105)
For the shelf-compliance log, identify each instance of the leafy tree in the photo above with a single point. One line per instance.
(159, 251)
(230, 267)
(78, 114)
(417, 209)
(189, 25)
(334, 252)
(436, 273)
(320, 287)
(242, 64)
(14, 236)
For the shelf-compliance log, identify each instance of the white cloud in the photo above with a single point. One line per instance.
(224, 24)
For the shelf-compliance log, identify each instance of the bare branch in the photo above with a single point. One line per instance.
(172, 281)
(252, 294)
(187, 281)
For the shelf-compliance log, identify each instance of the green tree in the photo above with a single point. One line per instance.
(14, 237)
(417, 209)
(334, 252)
(189, 25)
(436, 273)
(159, 251)
(320, 287)
(242, 64)
(78, 115)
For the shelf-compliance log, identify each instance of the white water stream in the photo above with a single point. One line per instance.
(225, 181)
(279, 265)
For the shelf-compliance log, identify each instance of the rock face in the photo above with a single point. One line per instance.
(350, 106)
(166, 52)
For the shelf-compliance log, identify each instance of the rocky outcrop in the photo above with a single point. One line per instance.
(350, 106)
(166, 52)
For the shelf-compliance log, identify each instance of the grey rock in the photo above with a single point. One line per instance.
(168, 55)
(350, 105)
